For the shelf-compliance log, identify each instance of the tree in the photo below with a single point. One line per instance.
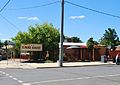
(110, 38)
(73, 39)
(76, 39)
(90, 43)
(45, 34)
(90, 46)
(21, 37)
(96, 43)
(1, 44)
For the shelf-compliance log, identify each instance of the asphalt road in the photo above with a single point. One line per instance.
(91, 75)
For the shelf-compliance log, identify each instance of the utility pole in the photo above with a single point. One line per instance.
(61, 35)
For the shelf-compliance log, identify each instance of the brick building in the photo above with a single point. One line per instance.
(79, 52)
(115, 52)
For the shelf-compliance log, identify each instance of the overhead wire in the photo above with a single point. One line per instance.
(100, 12)
(32, 7)
(24, 8)
(9, 22)
(5, 5)
(3, 9)
(6, 18)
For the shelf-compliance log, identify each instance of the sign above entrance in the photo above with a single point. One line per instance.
(31, 47)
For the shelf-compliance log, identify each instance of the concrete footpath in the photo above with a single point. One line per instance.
(17, 64)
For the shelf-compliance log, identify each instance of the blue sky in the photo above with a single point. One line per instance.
(78, 21)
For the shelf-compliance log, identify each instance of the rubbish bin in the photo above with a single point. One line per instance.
(104, 58)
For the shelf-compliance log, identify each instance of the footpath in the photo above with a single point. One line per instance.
(17, 64)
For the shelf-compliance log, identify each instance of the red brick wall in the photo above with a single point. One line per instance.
(114, 53)
(82, 54)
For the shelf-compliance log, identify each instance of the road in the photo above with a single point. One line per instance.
(89, 75)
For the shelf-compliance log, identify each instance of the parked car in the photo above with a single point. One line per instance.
(4, 57)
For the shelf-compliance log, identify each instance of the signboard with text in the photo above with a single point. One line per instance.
(31, 47)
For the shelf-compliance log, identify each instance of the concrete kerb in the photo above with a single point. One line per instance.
(65, 65)
(19, 65)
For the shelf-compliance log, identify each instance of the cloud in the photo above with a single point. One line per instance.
(28, 18)
(22, 17)
(77, 17)
(33, 18)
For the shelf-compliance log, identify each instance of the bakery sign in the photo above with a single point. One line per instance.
(31, 47)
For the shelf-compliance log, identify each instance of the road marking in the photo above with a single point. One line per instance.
(72, 79)
(3, 72)
(15, 78)
(20, 81)
(11, 76)
(8, 75)
(26, 84)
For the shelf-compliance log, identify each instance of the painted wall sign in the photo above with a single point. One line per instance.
(31, 47)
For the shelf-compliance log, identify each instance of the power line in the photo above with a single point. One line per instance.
(9, 22)
(21, 9)
(6, 18)
(100, 12)
(3, 16)
(4, 5)
(32, 7)
(10, 30)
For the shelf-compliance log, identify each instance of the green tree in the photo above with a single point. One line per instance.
(1, 44)
(76, 39)
(90, 46)
(90, 43)
(73, 39)
(21, 37)
(45, 34)
(110, 38)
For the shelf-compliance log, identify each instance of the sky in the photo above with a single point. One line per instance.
(78, 22)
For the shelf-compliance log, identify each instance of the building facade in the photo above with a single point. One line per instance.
(80, 52)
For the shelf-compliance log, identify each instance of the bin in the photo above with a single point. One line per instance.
(104, 58)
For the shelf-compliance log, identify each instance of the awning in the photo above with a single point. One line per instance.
(73, 47)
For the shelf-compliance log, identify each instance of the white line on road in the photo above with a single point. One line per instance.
(8, 75)
(11, 76)
(15, 79)
(20, 81)
(3, 72)
(72, 79)
(26, 84)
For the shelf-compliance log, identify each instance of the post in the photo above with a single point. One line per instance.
(93, 55)
(61, 35)
(6, 44)
(6, 55)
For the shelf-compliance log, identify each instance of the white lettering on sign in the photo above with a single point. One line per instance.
(31, 47)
